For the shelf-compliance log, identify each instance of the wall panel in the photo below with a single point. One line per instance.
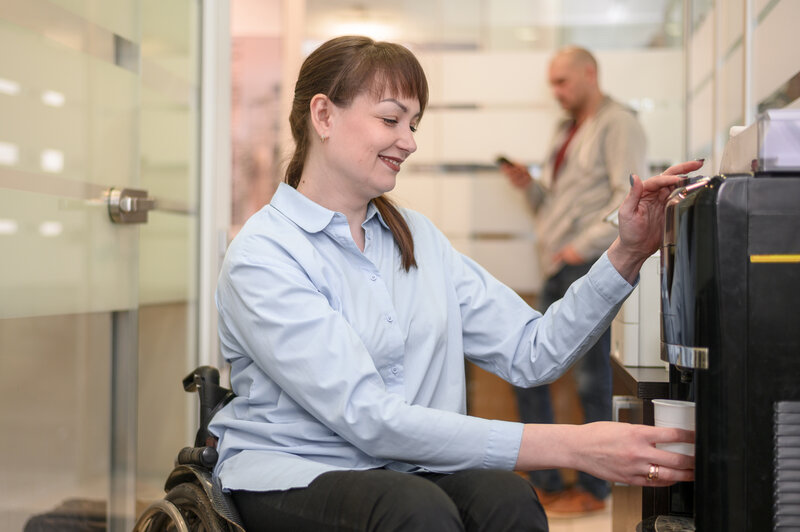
(775, 57)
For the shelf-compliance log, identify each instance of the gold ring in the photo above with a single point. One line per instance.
(653, 473)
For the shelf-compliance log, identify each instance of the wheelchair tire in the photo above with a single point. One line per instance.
(195, 508)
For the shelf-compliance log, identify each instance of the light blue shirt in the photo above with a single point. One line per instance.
(343, 360)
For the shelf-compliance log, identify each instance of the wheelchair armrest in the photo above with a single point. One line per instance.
(199, 456)
(202, 374)
(205, 381)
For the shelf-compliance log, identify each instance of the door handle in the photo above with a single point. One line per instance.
(129, 205)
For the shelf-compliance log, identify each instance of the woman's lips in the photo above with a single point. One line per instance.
(391, 162)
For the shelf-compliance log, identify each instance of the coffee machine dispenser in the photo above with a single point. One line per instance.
(730, 303)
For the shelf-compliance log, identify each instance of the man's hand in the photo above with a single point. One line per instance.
(568, 255)
(517, 174)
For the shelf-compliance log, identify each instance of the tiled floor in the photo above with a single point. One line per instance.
(600, 522)
(596, 522)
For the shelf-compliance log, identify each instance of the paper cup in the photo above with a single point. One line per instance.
(678, 414)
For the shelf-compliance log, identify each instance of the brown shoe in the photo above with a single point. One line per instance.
(575, 503)
(547, 497)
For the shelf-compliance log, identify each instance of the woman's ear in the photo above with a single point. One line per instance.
(321, 115)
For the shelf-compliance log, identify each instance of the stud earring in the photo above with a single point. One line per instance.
(323, 138)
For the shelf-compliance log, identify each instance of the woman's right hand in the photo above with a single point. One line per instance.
(622, 452)
(618, 452)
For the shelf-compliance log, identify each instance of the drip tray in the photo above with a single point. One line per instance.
(666, 523)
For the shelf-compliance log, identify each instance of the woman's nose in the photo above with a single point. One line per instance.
(407, 142)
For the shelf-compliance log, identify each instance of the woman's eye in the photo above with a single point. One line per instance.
(390, 121)
(413, 128)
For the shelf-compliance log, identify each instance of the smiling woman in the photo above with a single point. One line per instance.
(347, 320)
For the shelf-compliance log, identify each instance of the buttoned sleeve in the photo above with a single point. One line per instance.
(503, 335)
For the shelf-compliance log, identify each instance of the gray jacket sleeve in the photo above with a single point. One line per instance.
(624, 151)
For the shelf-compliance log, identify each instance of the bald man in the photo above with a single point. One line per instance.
(585, 177)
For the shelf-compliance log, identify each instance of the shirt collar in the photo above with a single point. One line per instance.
(309, 215)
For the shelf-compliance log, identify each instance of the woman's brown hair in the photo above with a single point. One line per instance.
(343, 68)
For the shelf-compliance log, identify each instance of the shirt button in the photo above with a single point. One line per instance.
(373, 277)
(389, 319)
(395, 370)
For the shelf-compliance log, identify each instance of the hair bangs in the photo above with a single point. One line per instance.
(383, 68)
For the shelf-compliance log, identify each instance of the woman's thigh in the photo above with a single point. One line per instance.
(492, 500)
(375, 500)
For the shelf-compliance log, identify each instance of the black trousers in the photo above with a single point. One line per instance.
(383, 500)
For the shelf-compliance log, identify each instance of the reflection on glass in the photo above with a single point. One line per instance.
(53, 98)
(8, 227)
(8, 87)
(50, 229)
(9, 153)
(52, 160)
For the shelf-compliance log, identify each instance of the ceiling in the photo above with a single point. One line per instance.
(502, 24)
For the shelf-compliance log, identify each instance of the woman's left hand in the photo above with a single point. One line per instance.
(641, 219)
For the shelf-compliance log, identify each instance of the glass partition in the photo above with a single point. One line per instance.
(96, 318)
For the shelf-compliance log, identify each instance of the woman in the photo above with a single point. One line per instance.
(346, 322)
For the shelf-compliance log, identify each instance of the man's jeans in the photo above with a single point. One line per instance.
(593, 378)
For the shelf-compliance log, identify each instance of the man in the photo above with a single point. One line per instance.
(586, 176)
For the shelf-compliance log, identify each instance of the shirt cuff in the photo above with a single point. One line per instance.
(502, 449)
(608, 282)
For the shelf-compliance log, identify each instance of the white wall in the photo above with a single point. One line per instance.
(741, 54)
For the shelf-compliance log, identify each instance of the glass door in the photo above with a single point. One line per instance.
(98, 117)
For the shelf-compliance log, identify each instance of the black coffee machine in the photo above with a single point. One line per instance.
(730, 303)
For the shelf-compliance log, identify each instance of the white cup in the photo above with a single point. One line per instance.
(674, 413)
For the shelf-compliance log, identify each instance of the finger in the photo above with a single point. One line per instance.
(673, 460)
(631, 201)
(668, 476)
(683, 168)
(661, 181)
(670, 434)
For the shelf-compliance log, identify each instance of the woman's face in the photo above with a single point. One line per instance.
(370, 139)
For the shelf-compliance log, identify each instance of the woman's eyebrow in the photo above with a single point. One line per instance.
(400, 105)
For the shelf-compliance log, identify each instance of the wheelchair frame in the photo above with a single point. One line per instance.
(194, 500)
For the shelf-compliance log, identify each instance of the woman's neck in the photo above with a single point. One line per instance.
(332, 198)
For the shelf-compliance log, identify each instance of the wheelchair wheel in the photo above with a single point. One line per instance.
(195, 508)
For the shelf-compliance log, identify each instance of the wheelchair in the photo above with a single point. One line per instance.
(194, 501)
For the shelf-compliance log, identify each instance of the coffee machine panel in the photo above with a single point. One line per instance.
(730, 291)
(635, 334)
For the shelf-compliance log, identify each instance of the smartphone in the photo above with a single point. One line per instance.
(502, 159)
